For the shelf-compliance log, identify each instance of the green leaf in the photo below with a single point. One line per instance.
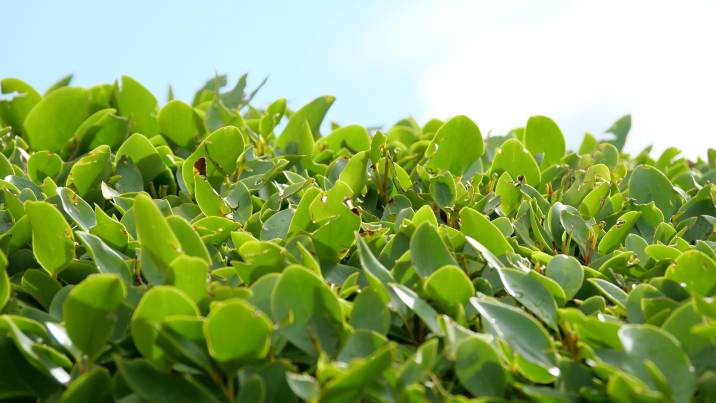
(618, 232)
(190, 241)
(110, 230)
(696, 271)
(647, 344)
(53, 121)
(189, 274)
(177, 122)
(154, 233)
(520, 331)
(349, 385)
(353, 137)
(297, 142)
(648, 184)
(620, 130)
(5, 287)
(476, 225)
(589, 143)
(302, 297)
(478, 368)
(370, 312)
(312, 114)
(680, 324)
(428, 251)
(106, 258)
(425, 214)
(239, 199)
(155, 306)
(138, 149)
(594, 200)
(232, 320)
(252, 389)
(6, 166)
(27, 350)
(611, 291)
(219, 152)
(449, 286)
(567, 272)
(78, 209)
(442, 189)
(210, 202)
(303, 385)
(421, 308)
(138, 105)
(361, 344)
(509, 192)
(370, 264)
(183, 339)
(88, 311)
(87, 173)
(419, 365)
(61, 83)
(14, 111)
(457, 145)
(543, 136)
(530, 293)
(43, 164)
(576, 226)
(52, 239)
(40, 286)
(152, 385)
(355, 173)
(102, 127)
(90, 387)
(513, 157)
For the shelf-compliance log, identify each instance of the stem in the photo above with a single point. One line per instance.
(385, 181)
(230, 393)
(592, 244)
(411, 333)
(89, 364)
(216, 378)
(567, 244)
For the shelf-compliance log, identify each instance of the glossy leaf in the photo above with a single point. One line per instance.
(543, 136)
(646, 344)
(88, 311)
(649, 184)
(522, 333)
(52, 238)
(155, 306)
(52, 121)
(456, 146)
(567, 272)
(449, 286)
(530, 293)
(696, 271)
(512, 157)
(154, 233)
(428, 251)
(618, 232)
(106, 258)
(478, 368)
(479, 227)
(178, 124)
(232, 320)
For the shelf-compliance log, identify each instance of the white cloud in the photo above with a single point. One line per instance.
(585, 68)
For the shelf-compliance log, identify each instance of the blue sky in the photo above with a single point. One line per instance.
(584, 63)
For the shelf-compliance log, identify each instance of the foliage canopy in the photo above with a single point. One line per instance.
(220, 251)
